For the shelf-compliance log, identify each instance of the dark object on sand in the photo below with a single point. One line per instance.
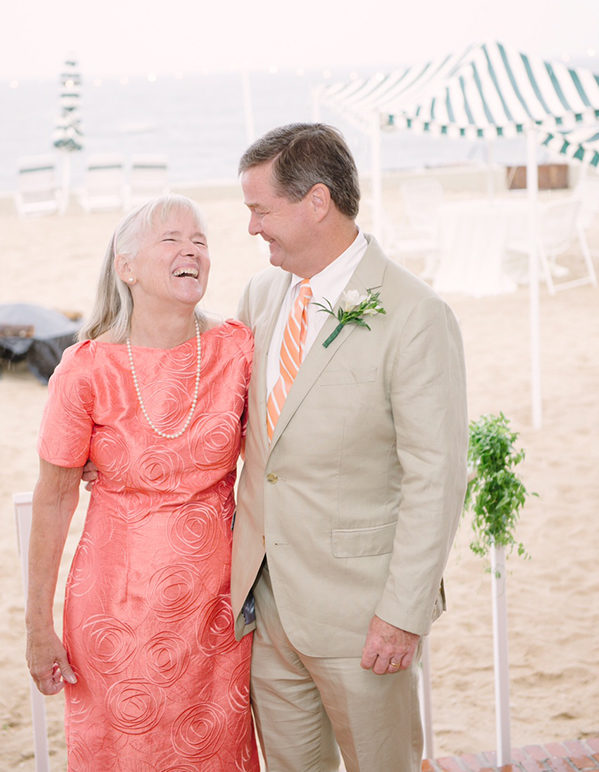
(37, 335)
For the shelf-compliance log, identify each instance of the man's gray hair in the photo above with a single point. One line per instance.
(305, 154)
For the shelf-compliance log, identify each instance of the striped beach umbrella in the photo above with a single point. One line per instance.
(68, 136)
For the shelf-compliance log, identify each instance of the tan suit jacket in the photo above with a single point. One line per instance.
(356, 501)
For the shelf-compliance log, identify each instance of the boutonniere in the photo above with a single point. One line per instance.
(353, 307)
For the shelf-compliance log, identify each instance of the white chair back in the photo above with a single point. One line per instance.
(557, 226)
(37, 187)
(104, 187)
(559, 229)
(471, 248)
(587, 192)
(23, 509)
(422, 199)
(416, 231)
(148, 178)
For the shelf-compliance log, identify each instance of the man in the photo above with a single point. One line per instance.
(354, 471)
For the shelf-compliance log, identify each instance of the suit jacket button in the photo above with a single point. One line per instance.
(272, 478)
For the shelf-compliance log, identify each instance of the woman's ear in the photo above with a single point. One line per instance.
(124, 269)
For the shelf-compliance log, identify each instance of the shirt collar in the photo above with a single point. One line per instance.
(332, 280)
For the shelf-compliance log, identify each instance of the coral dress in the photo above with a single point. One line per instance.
(162, 683)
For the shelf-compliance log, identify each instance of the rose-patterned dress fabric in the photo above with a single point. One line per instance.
(162, 682)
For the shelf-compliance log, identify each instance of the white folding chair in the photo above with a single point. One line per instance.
(421, 200)
(559, 228)
(22, 504)
(104, 187)
(148, 178)
(472, 237)
(37, 186)
(587, 192)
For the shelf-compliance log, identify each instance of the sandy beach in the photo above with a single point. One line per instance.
(553, 612)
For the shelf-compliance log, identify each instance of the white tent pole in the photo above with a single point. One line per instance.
(426, 700)
(376, 178)
(500, 651)
(66, 180)
(250, 132)
(316, 104)
(22, 504)
(532, 185)
(490, 168)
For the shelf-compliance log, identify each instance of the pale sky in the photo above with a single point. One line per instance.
(129, 37)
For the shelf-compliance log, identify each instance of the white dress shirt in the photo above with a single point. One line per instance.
(326, 285)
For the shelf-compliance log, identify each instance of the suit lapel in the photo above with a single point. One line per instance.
(368, 275)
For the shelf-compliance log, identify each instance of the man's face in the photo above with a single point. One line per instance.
(286, 226)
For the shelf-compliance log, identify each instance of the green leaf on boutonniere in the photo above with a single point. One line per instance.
(352, 308)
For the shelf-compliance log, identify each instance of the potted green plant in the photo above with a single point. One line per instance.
(495, 495)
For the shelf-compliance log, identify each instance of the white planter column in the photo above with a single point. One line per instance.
(501, 663)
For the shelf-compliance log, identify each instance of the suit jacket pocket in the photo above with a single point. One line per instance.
(360, 542)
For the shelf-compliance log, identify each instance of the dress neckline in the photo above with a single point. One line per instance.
(157, 348)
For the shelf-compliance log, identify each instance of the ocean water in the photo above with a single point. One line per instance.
(199, 123)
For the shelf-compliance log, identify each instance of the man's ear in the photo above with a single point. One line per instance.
(124, 269)
(320, 199)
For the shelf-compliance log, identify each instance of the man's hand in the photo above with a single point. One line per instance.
(388, 649)
(89, 474)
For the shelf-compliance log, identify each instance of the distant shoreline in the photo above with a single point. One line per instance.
(472, 178)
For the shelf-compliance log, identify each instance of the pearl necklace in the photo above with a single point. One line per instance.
(195, 394)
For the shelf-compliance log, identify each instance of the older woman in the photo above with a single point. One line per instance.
(156, 397)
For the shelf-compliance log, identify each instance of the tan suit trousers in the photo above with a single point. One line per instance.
(306, 706)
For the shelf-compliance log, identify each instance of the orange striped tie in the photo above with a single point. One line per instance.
(290, 358)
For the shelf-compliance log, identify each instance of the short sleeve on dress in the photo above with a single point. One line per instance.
(245, 341)
(67, 423)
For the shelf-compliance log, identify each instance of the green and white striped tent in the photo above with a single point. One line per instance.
(579, 144)
(488, 91)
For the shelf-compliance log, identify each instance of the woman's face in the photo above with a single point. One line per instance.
(172, 263)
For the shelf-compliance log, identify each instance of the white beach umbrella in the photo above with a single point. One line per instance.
(67, 136)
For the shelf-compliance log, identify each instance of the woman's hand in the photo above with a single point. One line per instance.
(54, 501)
(47, 662)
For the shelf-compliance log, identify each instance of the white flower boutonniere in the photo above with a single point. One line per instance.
(353, 307)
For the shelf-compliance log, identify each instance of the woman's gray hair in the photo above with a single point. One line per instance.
(113, 305)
